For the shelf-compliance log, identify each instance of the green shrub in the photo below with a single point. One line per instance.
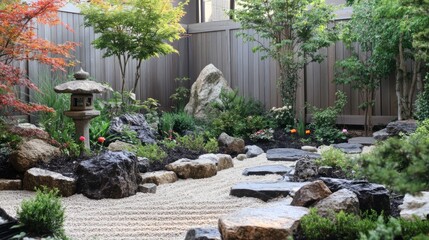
(212, 146)
(179, 122)
(397, 229)
(316, 227)
(400, 163)
(284, 117)
(169, 144)
(8, 141)
(335, 158)
(324, 120)
(150, 151)
(181, 94)
(192, 142)
(44, 214)
(422, 102)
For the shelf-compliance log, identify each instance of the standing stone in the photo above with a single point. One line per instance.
(273, 222)
(36, 178)
(232, 145)
(205, 91)
(136, 123)
(109, 175)
(310, 193)
(341, 200)
(29, 153)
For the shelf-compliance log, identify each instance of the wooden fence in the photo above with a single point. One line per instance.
(216, 42)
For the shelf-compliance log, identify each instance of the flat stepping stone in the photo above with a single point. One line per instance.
(265, 190)
(289, 154)
(366, 141)
(268, 169)
(349, 148)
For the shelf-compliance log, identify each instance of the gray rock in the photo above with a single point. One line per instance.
(109, 175)
(232, 145)
(29, 153)
(349, 148)
(370, 195)
(341, 200)
(36, 178)
(266, 190)
(143, 164)
(268, 169)
(241, 157)
(305, 169)
(10, 184)
(415, 206)
(289, 154)
(366, 141)
(136, 123)
(405, 126)
(187, 168)
(205, 91)
(309, 149)
(325, 171)
(203, 234)
(147, 188)
(119, 146)
(381, 135)
(270, 222)
(310, 193)
(159, 177)
(253, 151)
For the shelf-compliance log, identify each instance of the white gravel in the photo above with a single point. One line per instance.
(168, 214)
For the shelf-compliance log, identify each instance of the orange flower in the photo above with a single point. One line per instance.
(307, 132)
(293, 130)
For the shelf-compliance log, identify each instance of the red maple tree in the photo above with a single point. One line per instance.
(19, 42)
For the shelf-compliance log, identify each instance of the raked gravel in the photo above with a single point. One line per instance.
(168, 214)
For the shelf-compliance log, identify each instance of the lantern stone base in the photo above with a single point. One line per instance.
(81, 120)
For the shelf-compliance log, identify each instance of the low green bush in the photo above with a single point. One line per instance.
(335, 158)
(397, 229)
(179, 122)
(211, 146)
(400, 163)
(152, 152)
(43, 215)
(192, 142)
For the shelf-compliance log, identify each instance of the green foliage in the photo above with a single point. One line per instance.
(294, 30)
(196, 142)
(422, 102)
(134, 29)
(262, 135)
(324, 120)
(118, 104)
(340, 226)
(150, 151)
(333, 157)
(179, 122)
(397, 229)
(180, 95)
(60, 127)
(44, 214)
(100, 128)
(237, 116)
(151, 108)
(211, 146)
(284, 117)
(169, 144)
(8, 141)
(400, 163)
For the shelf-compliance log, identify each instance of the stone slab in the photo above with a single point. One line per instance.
(267, 169)
(289, 154)
(266, 190)
(349, 148)
(366, 141)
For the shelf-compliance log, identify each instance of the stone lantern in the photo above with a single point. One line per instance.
(82, 102)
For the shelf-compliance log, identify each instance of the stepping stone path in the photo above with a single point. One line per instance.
(289, 154)
(268, 169)
(266, 190)
(349, 148)
(366, 141)
(272, 222)
(203, 234)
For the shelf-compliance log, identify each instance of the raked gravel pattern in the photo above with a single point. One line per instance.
(168, 214)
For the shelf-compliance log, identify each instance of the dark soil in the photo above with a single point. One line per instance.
(67, 166)
(6, 169)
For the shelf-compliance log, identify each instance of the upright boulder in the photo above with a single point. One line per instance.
(232, 145)
(110, 175)
(135, 122)
(205, 91)
(30, 152)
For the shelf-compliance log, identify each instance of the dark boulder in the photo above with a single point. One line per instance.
(305, 169)
(109, 175)
(370, 195)
(136, 123)
(405, 126)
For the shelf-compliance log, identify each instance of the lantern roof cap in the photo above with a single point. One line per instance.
(81, 85)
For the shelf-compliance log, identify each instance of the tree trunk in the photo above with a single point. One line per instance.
(137, 76)
(398, 89)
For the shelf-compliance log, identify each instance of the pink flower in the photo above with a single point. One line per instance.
(82, 138)
(100, 140)
(344, 131)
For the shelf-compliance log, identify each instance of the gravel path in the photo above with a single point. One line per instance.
(168, 214)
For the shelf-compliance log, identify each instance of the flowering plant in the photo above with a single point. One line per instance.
(262, 135)
(283, 116)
